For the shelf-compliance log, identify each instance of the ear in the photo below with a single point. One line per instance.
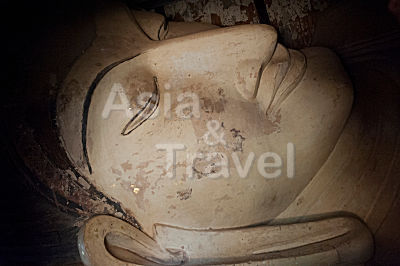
(106, 240)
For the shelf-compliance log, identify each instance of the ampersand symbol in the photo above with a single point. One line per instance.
(213, 126)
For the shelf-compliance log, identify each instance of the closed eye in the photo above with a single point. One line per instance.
(145, 112)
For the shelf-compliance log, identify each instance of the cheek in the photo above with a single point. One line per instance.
(314, 114)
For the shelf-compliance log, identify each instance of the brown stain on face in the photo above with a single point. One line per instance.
(210, 106)
(221, 92)
(238, 140)
(213, 104)
(240, 79)
(204, 167)
(184, 194)
(127, 185)
(116, 171)
(136, 84)
(143, 165)
(207, 105)
(175, 92)
(219, 106)
(126, 166)
(156, 183)
(240, 121)
(142, 184)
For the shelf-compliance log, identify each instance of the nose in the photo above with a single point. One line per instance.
(233, 56)
(279, 78)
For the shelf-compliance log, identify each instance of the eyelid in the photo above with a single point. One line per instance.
(144, 113)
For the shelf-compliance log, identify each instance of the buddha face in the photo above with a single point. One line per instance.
(231, 128)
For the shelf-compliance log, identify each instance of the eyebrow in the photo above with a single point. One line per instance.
(144, 113)
(87, 102)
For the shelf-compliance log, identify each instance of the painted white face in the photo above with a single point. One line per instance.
(248, 121)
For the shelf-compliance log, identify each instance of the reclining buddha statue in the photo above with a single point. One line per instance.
(218, 142)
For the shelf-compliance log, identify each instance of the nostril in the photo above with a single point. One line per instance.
(272, 76)
(293, 76)
(279, 78)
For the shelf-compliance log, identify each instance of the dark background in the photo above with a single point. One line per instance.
(36, 230)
